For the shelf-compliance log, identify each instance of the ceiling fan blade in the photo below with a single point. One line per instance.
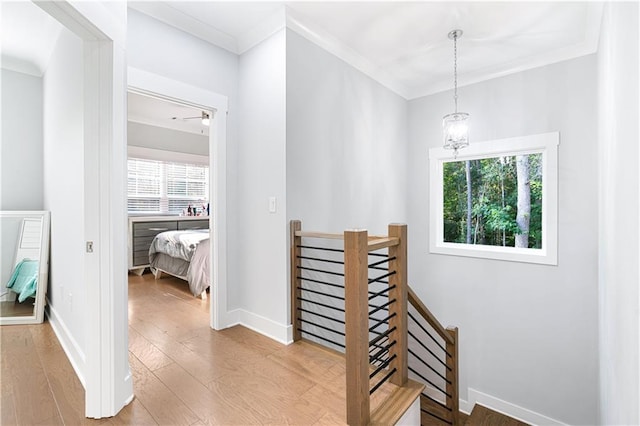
(185, 118)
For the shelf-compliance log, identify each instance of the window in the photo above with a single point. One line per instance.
(496, 200)
(155, 186)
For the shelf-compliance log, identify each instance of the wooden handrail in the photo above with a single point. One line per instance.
(427, 315)
(333, 236)
(382, 242)
(325, 235)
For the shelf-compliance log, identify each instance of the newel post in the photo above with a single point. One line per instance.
(399, 293)
(356, 326)
(296, 252)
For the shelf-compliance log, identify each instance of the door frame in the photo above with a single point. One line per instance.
(147, 83)
(105, 372)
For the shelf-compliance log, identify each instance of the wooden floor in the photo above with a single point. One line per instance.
(184, 373)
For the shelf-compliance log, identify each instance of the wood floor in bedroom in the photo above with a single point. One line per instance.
(184, 372)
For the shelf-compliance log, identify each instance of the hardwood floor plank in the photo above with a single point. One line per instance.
(334, 403)
(30, 385)
(330, 419)
(152, 357)
(247, 337)
(7, 406)
(66, 388)
(203, 368)
(212, 406)
(133, 414)
(163, 405)
(308, 361)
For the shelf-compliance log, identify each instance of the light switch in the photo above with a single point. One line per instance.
(272, 205)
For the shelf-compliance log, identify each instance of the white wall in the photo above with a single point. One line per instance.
(260, 240)
(21, 157)
(64, 190)
(165, 139)
(164, 50)
(619, 215)
(346, 144)
(529, 333)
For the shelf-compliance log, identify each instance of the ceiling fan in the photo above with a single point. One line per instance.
(204, 117)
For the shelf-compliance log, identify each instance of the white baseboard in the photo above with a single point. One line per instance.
(69, 345)
(506, 408)
(276, 331)
(496, 404)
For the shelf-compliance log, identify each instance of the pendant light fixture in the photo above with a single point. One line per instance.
(455, 126)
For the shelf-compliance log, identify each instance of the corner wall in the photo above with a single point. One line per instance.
(346, 144)
(260, 238)
(618, 254)
(529, 333)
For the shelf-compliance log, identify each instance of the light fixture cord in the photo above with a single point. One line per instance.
(455, 71)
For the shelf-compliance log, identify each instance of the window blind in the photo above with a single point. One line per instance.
(165, 187)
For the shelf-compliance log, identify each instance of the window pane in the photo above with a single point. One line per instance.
(143, 177)
(505, 206)
(166, 187)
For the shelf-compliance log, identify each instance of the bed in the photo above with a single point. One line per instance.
(183, 254)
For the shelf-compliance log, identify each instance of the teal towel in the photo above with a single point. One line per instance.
(24, 280)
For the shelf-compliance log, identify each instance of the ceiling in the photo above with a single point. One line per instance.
(403, 45)
(27, 37)
(163, 113)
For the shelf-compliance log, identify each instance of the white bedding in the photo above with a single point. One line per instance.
(184, 254)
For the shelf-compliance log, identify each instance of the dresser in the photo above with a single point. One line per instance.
(142, 229)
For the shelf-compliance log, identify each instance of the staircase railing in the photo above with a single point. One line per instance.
(433, 361)
(349, 292)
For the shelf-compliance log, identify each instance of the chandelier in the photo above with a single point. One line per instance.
(455, 126)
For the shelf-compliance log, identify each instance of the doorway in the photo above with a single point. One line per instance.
(147, 84)
(168, 206)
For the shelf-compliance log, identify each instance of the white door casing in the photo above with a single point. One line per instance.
(102, 27)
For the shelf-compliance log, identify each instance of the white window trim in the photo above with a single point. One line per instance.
(547, 145)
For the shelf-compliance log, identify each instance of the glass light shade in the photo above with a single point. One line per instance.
(205, 121)
(456, 130)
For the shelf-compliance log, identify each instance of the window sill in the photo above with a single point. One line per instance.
(542, 256)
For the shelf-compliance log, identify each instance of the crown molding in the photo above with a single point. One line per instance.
(175, 18)
(317, 35)
(262, 31)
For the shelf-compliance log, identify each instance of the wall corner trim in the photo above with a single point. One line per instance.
(265, 326)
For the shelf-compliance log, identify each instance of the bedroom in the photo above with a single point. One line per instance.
(256, 167)
(168, 191)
